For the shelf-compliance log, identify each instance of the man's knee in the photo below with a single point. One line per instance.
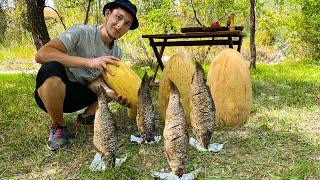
(53, 83)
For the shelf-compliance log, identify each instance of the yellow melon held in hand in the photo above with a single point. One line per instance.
(230, 85)
(126, 83)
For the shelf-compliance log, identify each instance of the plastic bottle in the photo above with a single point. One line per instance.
(232, 24)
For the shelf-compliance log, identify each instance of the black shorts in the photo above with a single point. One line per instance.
(77, 97)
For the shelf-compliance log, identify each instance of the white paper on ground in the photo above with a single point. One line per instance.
(139, 140)
(98, 164)
(170, 176)
(215, 147)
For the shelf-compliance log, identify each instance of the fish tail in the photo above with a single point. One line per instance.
(101, 91)
(144, 82)
(173, 87)
(199, 70)
(145, 77)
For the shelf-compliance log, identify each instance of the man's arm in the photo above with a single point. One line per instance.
(55, 50)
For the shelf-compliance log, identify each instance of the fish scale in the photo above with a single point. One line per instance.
(104, 137)
(175, 133)
(145, 112)
(202, 109)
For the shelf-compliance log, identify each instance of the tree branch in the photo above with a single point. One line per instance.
(61, 20)
(195, 15)
(87, 12)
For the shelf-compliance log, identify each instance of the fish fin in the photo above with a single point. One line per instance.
(97, 163)
(193, 174)
(119, 161)
(163, 175)
(194, 143)
(136, 139)
(171, 176)
(215, 147)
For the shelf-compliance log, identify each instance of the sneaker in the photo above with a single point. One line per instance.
(57, 137)
(89, 120)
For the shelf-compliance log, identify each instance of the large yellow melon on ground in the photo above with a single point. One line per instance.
(230, 85)
(126, 83)
(179, 69)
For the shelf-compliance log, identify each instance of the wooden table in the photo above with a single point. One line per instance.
(207, 36)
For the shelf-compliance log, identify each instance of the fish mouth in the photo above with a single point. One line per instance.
(179, 172)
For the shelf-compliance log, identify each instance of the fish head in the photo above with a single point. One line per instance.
(179, 171)
(205, 139)
(177, 167)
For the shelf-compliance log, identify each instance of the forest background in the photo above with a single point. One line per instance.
(285, 29)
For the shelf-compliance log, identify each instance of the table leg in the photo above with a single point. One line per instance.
(230, 42)
(240, 43)
(159, 60)
(156, 52)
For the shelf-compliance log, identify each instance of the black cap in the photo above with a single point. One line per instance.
(127, 6)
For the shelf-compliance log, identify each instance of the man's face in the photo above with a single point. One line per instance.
(118, 22)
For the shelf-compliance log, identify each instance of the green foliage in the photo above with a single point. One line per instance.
(277, 24)
(311, 26)
(288, 27)
(152, 13)
(209, 10)
(16, 44)
(16, 20)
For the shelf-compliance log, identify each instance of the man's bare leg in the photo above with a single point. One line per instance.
(52, 93)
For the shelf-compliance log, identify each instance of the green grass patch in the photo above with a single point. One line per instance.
(280, 140)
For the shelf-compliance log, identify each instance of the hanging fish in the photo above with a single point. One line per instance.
(202, 109)
(175, 133)
(145, 112)
(176, 140)
(104, 137)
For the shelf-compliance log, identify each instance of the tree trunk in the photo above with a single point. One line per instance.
(3, 22)
(36, 24)
(87, 12)
(253, 53)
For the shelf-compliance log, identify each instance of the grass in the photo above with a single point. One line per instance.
(17, 56)
(281, 140)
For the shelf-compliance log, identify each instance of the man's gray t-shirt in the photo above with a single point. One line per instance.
(85, 41)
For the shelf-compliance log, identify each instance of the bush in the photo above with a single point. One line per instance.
(3, 23)
(310, 25)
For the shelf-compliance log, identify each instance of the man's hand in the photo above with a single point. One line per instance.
(101, 63)
(111, 95)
